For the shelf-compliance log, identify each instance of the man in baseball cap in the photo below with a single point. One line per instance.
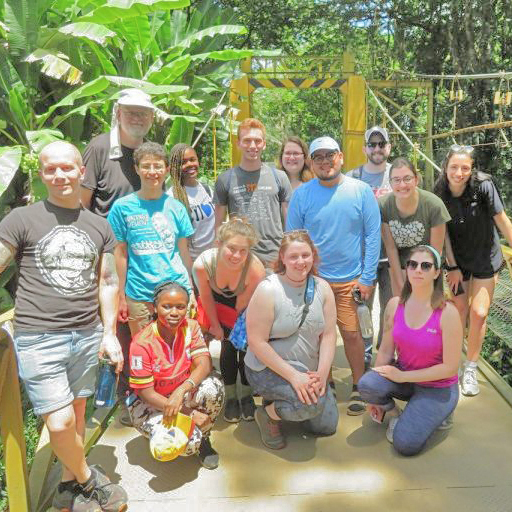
(375, 172)
(341, 216)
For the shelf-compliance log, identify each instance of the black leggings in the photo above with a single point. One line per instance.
(231, 361)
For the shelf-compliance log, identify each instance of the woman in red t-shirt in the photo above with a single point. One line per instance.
(170, 368)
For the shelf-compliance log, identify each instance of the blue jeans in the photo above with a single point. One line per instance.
(320, 418)
(426, 409)
(58, 367)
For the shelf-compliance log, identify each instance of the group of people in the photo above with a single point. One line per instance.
(131, 257)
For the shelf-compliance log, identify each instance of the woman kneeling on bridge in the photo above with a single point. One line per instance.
(426, 334)
(170, 368)
(291, 330)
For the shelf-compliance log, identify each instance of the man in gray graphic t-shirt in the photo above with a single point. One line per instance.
(255, 190)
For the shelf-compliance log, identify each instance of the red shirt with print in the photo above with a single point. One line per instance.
(153, 363)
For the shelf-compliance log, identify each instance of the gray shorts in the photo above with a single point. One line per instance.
(58, 367)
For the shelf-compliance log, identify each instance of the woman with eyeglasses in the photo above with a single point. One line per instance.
(293, 161)
(418, 358)
(473, 252)
(410, 217)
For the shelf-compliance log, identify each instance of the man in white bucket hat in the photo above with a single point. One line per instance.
(110, 172)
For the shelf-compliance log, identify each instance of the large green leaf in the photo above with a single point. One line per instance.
(115, 11)
(89, 89)
(181, 131)
(92, 31)
(170, 72)
(103, 58)
(55, 65)
(138, 33)
(10, 159)
(40, 138)
(213, 32)
(148, 87)
(188, 105)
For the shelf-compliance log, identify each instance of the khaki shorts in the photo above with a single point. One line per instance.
(140, 314)
(346, 312)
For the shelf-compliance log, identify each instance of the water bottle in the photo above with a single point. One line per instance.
(107, 385)
(363, 314)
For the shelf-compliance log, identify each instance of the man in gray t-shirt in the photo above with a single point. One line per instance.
(375, 172)
(255, 190)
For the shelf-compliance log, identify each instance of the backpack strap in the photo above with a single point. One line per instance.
(357, 173)
(309, 295)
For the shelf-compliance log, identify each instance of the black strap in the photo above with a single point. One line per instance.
(309, 295)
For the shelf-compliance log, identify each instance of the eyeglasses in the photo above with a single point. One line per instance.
(318, 159)
(382, 144)
(455, 148)
(405, 179)
(155, 167)
(424, 265)
(292, 155)
(140, 114)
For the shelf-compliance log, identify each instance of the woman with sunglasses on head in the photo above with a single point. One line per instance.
(293, 161)
(291, 331)
(410, 217)
(226, 277)
(473, 252)
(195, 195)
(418, 358)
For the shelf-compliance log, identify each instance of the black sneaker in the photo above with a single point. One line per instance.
(248, 408)
(110, 496)
(208, 457)
(232, 410)
(69, 496)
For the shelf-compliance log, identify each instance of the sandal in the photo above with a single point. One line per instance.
(356, 405)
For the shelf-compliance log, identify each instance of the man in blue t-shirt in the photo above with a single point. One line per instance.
(342, 216)
(151, 230)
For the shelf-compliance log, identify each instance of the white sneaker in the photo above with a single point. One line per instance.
(392, 424)
(469, 384)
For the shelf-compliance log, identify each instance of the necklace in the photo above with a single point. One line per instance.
(295, 280)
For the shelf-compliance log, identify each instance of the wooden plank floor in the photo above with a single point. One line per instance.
(468, 469)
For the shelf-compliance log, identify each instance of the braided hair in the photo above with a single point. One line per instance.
(167, 286)
(177, 178)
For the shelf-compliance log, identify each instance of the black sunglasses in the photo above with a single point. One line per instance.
(425, 265)
(381, 144)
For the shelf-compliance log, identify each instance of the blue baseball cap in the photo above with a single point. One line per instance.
(323, 143)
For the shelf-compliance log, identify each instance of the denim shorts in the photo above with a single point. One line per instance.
(58, 367)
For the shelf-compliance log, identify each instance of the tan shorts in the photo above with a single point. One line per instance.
(346, 312)
(140, 314)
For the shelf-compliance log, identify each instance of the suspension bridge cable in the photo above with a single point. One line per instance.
(481, 76)
(402, 133)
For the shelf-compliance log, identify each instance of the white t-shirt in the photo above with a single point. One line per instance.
(202, 217)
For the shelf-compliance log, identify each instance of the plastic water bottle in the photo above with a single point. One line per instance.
(363, 314)
(107, 385)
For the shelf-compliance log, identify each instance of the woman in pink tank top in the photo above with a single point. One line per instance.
(418, 358)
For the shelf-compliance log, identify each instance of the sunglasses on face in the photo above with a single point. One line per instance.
(424, 265)
(373, 145)
(455, 148)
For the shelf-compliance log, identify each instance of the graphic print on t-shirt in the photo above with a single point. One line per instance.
(409, 234)
(66, 257)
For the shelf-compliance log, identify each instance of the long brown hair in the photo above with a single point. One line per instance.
(237, 226)
(305, 174)
(437, 299)
(298, 235)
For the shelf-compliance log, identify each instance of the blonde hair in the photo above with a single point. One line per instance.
(237, 226)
